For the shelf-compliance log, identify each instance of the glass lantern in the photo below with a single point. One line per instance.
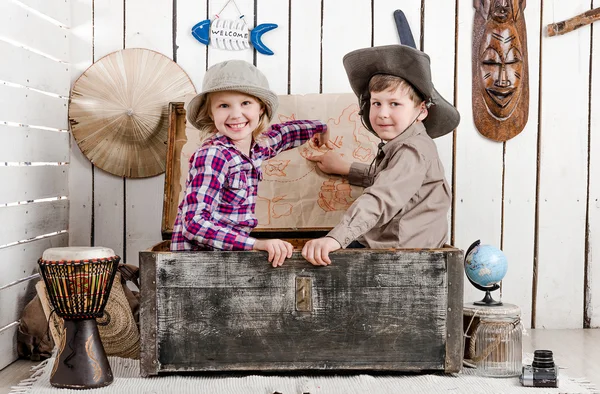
(499, 346)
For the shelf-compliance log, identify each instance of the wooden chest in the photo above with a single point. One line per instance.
(370, 310)
(397, 310)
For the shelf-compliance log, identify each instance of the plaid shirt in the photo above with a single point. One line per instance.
(217, 211)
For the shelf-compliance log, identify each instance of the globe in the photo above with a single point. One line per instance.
(485, 267)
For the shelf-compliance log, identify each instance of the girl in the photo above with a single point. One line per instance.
(217, 211)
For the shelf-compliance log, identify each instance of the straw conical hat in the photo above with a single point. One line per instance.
(119, 111)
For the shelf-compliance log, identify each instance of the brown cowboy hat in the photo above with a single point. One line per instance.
(409, 64)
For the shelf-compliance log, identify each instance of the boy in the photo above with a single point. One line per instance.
(407, 197)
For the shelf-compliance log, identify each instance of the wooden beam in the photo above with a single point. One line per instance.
(555, 29)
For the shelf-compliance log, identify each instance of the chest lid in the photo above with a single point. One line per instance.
(294, 197)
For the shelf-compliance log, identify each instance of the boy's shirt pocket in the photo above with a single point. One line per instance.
(235, 190)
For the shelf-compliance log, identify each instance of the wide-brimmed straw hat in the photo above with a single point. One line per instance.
(409, 64)
(119, 111)
(233, 75)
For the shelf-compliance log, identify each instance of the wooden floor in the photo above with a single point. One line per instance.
(577, 352)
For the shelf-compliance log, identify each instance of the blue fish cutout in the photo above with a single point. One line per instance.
(232, 35)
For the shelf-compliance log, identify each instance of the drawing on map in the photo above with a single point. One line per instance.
(294, 193)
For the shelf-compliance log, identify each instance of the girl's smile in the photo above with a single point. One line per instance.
(237, 126)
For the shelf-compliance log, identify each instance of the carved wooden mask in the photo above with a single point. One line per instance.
(500, 68)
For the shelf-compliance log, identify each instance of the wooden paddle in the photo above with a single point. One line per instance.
(404, 32)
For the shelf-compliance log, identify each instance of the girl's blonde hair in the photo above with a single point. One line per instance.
(208, 127)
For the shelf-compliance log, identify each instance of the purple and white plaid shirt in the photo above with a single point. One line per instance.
(217, 211)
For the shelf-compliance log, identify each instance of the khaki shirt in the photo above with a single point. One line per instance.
(406, 200)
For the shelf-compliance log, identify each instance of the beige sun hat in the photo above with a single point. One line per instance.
(409, 64)
(238, 76)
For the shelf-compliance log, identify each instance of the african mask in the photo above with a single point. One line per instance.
(500, 70)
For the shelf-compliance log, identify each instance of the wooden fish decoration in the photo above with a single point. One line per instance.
(233, 35)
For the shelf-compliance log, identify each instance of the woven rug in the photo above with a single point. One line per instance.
(128, 380)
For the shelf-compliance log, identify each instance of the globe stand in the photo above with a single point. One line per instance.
(487, 299)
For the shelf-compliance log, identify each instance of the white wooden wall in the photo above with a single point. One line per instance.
(535, 196)
(34, 149)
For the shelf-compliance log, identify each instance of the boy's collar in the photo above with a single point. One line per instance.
(415, 129)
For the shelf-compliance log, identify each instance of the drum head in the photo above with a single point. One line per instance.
(77, 253)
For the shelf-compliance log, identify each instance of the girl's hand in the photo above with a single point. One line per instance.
(322, 139)
(331, 163)
(316, 251)
(278, 250)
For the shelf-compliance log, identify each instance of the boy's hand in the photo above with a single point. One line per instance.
(331, 163)
(316, 251)
(321, 139)
(278, 250)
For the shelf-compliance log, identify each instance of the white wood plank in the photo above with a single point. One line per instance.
(108, 27)
(23, 183)
(305, 51)
(191, 54)
(59, 10)
(80, 169)
(109, 211)
(24, 144)
(594, 185)
(20, 261)
(441, 48)
(17, 105)
(275, 67)
(144, 196)
(152, 30)
(17, 24)
(440, 17)
(81, 43)
(109, 190)
(346, 27)
(144, 215)
(29, 69)
(216, 55)
(563, 177)
(519, 185)
(33, 220)
(80, 194)
(384, 31)
(13, 299)
(8, 344)
(478, 161)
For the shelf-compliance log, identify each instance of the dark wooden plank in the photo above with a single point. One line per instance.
(175, 141)
(382, 310)
(395, 310)
(148, 326)
(355, 328)
(454, 319)
(374, 268)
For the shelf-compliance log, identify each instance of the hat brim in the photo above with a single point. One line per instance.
(409, 64)
(269, 98)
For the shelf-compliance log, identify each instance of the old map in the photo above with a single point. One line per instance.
(294, 193)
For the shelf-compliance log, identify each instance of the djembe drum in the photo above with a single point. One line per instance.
(78, 281)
